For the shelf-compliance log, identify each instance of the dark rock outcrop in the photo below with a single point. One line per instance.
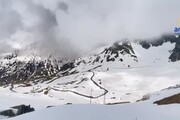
(125, 48)
(175, 56)
(8, 113)
(116, 49)
(17, 110)
(175, 53)
(169, 100)
(23, 109)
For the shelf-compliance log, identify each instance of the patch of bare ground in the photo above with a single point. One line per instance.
(174, 99)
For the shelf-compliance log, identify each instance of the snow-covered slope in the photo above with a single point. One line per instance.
(118, 73)
(102, 112)
(143, 110)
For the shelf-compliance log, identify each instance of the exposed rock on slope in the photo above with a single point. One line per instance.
(15, 70)
(175, 53)
(169, 100)
(17, 110)
(122, 54)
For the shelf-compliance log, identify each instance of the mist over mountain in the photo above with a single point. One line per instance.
(80, 25)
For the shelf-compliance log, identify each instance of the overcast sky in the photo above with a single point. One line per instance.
(71, 25)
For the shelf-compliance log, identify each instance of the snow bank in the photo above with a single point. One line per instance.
(136, 111)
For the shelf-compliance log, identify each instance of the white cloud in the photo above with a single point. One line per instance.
(85, 23)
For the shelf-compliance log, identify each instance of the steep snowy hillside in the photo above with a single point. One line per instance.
(157, 52)
(166, 96)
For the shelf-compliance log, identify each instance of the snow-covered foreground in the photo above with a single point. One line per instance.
(8, 100)
(144, 110)
(138, 111)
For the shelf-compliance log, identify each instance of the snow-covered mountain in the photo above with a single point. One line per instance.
(124, 54)
(119, 73)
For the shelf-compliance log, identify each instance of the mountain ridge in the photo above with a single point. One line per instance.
(14, 68)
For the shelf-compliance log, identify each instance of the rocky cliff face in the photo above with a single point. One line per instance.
(175, 53)
(14, 70)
